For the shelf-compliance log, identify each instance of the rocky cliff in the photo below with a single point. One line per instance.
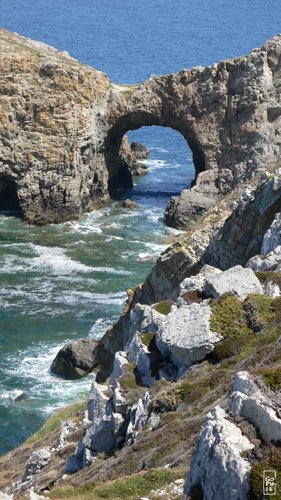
(186, 401)
(188, 387)
(62, 125)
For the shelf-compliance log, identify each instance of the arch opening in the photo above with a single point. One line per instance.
(170, 168)
(9, 202)
(118, 169)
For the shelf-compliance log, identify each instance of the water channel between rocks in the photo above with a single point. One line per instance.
(63, 282)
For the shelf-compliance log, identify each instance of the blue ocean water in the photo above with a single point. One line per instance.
(63, 282)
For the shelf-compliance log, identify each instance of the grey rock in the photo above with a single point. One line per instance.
(236, 280)
(138, 353)
(120, 360)
(138, 418)
(269, 262)
(140, 151)
(37, 461)
(186, 335)
(257, 405)
(217, 465)
(272, 237)
(66, 429)
(76, 359)
(119, 401)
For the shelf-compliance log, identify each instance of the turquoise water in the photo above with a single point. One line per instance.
(63, 282)
(66, 281)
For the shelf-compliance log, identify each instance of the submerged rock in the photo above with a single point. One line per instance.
(76, 359)
(130, 204)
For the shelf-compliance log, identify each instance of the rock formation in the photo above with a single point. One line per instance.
(189, 378)
(63, 124)
(76, 359)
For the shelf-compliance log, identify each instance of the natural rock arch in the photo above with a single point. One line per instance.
(62, 123)
(119, 174)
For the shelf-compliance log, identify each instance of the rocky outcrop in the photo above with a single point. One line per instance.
(253, 401)
(217, 468)
(63, 126)
(76, 359)
(37, 461)
(186, 334)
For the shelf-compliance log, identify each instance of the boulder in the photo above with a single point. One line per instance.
(139, 354)
(76, 359)
(236, 280)
(218, 470)
(186, 335)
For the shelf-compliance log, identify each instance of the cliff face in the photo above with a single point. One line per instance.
(62, 125)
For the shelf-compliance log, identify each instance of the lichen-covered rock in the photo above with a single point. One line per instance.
(239, 237)
(257, 405)
(37, 461)
(237, 280)
(186, 335)
(76, 359)
(218, 470)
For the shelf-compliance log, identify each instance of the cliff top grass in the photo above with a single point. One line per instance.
(130, 488)
(163, 307)
(53, 423)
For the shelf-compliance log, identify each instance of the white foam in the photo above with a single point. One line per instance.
(46, 258)
(154, 164)
(160, 150)
(100, 326)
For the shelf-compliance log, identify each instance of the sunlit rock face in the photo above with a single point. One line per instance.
(63, 124)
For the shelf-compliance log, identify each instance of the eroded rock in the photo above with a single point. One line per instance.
(217, 468)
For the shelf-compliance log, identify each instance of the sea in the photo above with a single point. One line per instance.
(62, 282)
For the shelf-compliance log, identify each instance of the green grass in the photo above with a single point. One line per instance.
(266, 276)
(129, 488)
(270, 462)
(147, 338)
(271, 377)
(55, 420)
(228, 317)
(164, 307)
